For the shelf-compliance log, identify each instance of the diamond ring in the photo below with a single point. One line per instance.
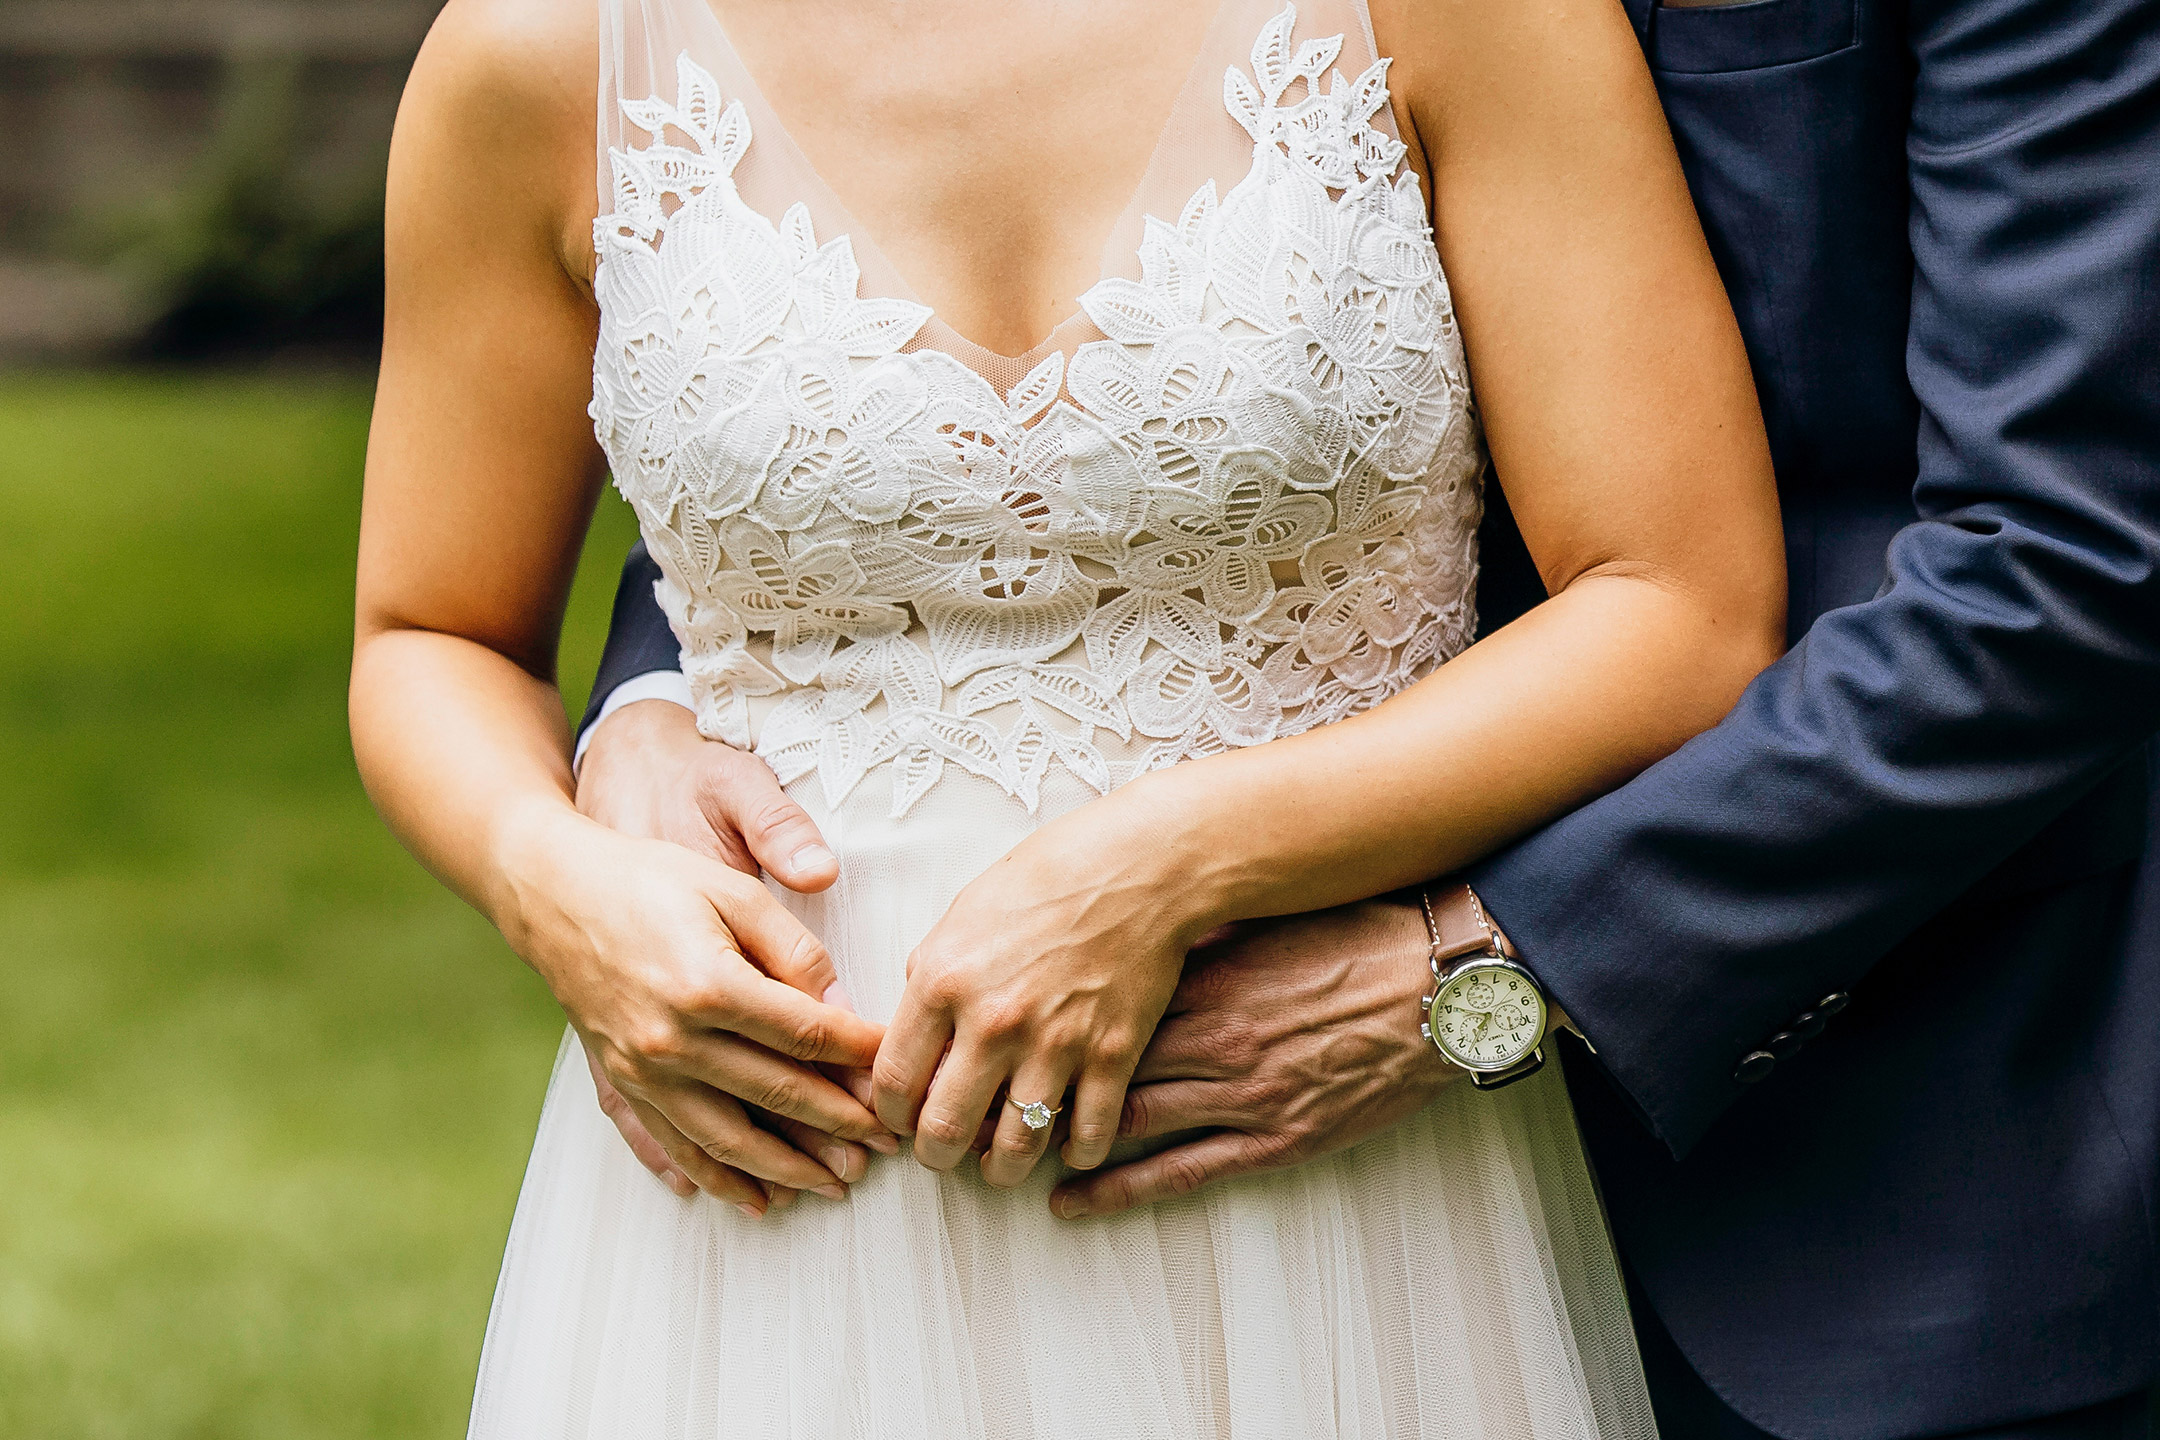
(1033, 1113)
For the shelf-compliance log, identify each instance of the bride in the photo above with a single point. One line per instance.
(1081, 628)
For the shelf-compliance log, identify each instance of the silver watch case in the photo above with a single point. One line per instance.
(1489, 1077)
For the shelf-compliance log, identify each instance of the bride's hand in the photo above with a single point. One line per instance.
(648, 772)
(1049, 972)
(691, 987)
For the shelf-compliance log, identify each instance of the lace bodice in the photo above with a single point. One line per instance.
(1245, 507)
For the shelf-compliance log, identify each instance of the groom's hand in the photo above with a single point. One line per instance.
(647, 772)
(1285, 1042)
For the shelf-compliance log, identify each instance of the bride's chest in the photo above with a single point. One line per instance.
(987, 146)
(1276, 369)
(1279, 366)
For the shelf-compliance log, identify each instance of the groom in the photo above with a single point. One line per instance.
(1873, 968)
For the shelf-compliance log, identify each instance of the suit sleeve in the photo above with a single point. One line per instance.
(1910, 744)
(639, 640)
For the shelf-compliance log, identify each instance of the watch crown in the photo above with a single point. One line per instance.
(1426, 1001)
(1424, 1032)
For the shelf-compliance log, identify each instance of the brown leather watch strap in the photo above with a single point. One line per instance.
(1458, 925)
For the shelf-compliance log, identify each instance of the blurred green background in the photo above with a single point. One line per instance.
(265, 1089)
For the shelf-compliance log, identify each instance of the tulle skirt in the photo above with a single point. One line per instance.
(1451, 1277)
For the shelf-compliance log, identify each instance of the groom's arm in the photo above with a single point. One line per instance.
(1910, 744)
(642, 659)
(672, 785)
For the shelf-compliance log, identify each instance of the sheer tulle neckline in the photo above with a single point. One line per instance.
(1119, 257)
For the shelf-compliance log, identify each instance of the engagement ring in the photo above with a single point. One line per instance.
(1033, 1113)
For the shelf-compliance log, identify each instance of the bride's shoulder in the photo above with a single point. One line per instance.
(1482, 68)
(521, 54)
(523, 71)
(498, 113)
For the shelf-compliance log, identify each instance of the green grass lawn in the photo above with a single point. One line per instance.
(265, 1089)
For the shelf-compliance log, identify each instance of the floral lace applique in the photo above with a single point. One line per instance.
(1249, 510)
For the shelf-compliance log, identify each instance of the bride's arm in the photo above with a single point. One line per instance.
(481, 477)
(1623, 423)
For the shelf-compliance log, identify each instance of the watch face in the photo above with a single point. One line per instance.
(1487, 1017)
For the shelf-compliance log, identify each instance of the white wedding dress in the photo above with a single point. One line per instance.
(946, 594)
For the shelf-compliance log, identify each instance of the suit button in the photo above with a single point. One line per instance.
(1754, 1066)
(1807, 1024)
(1830, 1004)
(1784, 1044)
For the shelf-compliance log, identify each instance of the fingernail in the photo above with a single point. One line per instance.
(830, 1192)
(836, 994)
(680, 1184)
(838, 1161)
(810, 857)
(1072, 1207)
(751, 1210)
(884, 1144)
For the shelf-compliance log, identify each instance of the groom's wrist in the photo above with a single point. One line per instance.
(670, 686)
(1407, 958)
(639, 724)
(1557, 1018)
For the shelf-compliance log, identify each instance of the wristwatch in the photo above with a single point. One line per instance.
(1486, 1013)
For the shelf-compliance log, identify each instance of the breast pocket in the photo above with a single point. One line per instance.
(1714, 39)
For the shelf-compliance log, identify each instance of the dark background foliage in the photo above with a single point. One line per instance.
(246, 259)
(184, 180)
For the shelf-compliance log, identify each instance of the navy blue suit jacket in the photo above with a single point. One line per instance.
(1940, 224)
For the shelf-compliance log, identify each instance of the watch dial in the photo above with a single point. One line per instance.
(1487, 1017)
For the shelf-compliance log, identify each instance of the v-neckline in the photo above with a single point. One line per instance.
(977, 356)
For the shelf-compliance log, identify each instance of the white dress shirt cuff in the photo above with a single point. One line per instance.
(668, 685)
